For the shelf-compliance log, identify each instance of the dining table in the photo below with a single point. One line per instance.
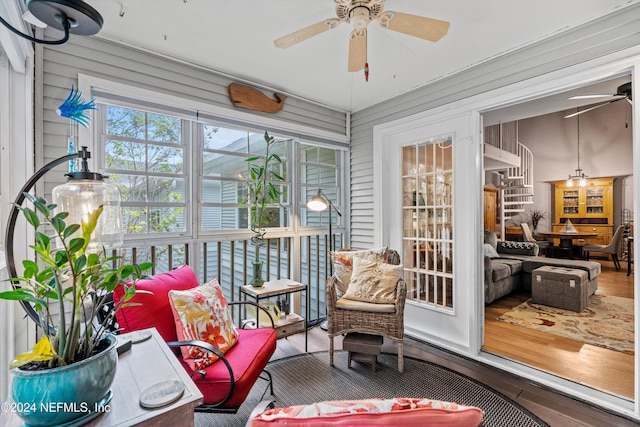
(566, 237)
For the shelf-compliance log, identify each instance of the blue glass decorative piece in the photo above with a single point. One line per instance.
(71, 149)
(75, 107)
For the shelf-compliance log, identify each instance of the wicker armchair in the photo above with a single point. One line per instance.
(346, 316)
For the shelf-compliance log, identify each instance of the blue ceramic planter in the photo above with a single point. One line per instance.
(57, 396)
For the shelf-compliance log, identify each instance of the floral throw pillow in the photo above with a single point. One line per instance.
(342, 263)
(202, 313)
(373, 281)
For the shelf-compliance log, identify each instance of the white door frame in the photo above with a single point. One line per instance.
(469, 220)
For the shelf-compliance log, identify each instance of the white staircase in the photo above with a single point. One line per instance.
(516, 186)
(512, 162)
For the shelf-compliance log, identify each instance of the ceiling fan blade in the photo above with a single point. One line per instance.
(413, 25)
(589, 109)
(607, 95)
(306, 33)
(357, 49)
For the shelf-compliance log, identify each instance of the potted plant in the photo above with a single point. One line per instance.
(75, 359)
(262, 196)
(536, 216)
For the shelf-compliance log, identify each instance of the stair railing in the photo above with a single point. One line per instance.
(517, 194)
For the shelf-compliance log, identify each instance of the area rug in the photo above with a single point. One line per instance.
(308, 378)
(607, 321)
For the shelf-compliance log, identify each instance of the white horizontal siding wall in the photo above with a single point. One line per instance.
(609, 34)
(57, 69)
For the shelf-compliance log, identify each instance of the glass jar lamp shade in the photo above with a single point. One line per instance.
(80, 197)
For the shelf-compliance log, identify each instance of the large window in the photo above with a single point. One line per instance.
(224, 171)
(183, 178)
(145, 156)
(320, 168)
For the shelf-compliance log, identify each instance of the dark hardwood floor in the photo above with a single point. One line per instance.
(551, 406)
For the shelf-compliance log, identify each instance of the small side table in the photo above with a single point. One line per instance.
(145, 364)
(285, 326)
(362, 348)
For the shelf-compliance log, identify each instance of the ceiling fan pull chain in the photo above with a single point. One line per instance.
(366, 55)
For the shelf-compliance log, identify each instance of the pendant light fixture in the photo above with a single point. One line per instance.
(69, 16)
(579, 175)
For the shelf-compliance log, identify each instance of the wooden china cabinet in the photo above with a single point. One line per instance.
(588, 207)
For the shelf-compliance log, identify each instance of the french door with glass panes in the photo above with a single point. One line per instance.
(426, 183)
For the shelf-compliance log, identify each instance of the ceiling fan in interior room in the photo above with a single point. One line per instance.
(623, 92)
(360, 13)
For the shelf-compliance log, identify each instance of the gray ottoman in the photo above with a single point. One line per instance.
(560, 287)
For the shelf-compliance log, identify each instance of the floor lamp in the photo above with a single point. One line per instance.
(319, 203)
(75, 191)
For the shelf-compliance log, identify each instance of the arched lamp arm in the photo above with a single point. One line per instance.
(13, 217)
(65, 27)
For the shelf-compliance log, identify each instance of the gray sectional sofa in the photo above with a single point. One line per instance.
(508, 267)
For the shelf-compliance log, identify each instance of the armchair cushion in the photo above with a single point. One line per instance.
(342, 263)
(202, 313)
(373, 281)
(387, 412)
(349, 304)
(152, 308)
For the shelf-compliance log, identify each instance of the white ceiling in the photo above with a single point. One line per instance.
(235, 37)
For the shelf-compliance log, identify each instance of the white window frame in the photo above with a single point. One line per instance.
(93, 87)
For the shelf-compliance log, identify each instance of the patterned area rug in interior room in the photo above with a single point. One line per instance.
(308, 378)
(606, 322)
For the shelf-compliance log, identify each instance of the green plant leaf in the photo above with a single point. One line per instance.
(81, 261)
(19, 294)
(76, 244)
(70, 230)
(58, 224)
(30, 268)
(42, 240)
(31, 217)
(126, 270)
(41, 206)
(61, 258)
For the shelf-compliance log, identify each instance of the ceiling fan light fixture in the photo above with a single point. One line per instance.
(359, 13)
(360, 16)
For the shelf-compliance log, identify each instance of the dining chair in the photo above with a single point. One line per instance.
(613, 248)
(528, 237)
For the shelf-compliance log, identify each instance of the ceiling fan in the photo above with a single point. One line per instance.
(623, 92)
(359, 13)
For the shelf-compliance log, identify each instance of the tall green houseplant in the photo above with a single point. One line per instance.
(70, 276)
(262, 195)
(75, 361)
